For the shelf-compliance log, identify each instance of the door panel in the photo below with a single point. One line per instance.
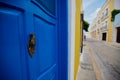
(45, 54)
(11, 36)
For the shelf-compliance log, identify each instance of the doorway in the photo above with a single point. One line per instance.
(104, 36)
(118, 34)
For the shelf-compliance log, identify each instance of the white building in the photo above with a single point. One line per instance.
(116, 29)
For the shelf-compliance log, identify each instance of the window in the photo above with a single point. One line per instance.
(102, 15)
(106, 12)
(49, 5)
(106, 23)
(102, 24)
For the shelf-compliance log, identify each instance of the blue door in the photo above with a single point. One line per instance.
(29, 40)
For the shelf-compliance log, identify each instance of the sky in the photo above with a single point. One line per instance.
(91, 8)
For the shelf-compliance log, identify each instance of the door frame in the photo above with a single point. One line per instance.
(71, 38)
(62, 25)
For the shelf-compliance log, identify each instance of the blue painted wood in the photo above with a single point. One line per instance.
(62, 13)
(19, 19)
(12, 54)
(49, 5)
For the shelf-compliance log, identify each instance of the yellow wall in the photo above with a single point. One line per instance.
(78, 37)
(111, 7)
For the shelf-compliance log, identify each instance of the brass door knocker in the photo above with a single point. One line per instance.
(31, 44)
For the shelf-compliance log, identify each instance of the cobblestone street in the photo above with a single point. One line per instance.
(106, 57)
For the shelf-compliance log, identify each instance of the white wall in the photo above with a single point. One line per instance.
(71, 38)
(117, 4)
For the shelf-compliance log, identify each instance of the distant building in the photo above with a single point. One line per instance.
(101, 28)
(93, 29)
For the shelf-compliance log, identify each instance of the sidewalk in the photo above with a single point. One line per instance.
(111, 44)
(86, 71)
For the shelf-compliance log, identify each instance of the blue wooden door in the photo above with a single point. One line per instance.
(18, 20)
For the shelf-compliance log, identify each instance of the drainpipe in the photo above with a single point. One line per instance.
(82, 19)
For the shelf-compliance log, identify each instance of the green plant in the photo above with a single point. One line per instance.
(113, 13)
(85, 25)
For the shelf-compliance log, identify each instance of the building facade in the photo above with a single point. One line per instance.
(103, 25)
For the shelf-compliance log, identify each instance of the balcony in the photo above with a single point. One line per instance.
(117, 21)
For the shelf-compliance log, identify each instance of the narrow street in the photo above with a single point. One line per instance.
(86, 70)
(107, 59)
